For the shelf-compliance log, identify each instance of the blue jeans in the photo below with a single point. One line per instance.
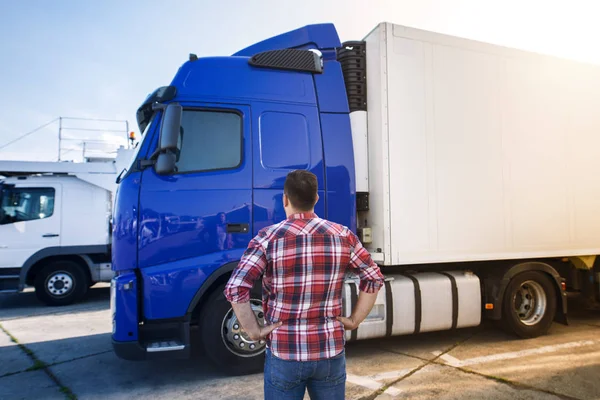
(285, 379)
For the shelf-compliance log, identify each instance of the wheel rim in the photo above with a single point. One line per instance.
(59, 284)
(529, 303)
(236, 339)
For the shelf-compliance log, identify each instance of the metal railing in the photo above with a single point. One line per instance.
(75, 143)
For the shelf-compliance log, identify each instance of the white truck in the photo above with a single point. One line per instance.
(55, 226)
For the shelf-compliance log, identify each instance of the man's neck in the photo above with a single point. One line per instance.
(293, 211)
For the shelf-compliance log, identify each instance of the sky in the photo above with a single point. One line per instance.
(100, 59)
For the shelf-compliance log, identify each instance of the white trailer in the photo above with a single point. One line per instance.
(55, 226)
(481, 169)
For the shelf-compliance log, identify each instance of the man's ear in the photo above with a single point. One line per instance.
(286, 201)
(317, 199)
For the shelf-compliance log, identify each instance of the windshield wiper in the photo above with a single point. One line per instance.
(121, 175)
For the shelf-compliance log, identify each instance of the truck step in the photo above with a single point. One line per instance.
(166, 345)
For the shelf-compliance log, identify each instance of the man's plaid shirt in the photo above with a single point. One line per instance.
(302, 262)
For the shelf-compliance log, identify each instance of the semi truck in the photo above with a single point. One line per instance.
(55, 226)
(467, 169)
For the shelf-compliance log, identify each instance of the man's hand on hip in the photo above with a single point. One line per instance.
(247, 319)
(262, 332)
(349, 323)
(361, 310)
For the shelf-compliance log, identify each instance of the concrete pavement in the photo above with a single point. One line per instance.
(66, 353)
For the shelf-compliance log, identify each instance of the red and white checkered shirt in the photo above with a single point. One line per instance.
(302, 262)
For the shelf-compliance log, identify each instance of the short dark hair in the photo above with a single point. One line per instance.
(301, 189)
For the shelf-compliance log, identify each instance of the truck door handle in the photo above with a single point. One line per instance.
(3, 246)
(50, 235)
(237, 228)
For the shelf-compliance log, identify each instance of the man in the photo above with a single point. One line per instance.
(302, 262)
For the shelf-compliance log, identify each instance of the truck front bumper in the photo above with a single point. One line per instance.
(10, 280)
(165, 339)
(132, 351)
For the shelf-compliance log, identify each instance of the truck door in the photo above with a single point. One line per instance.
(30, 220)
(198, 218)
(287, 137)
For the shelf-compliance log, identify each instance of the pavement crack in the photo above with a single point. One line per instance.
(426, 362)
(516, 385)
(436, 361)
(80, 358)
(454, 346)
(39, 365)
(12, 373)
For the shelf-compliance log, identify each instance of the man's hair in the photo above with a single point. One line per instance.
(301, 189)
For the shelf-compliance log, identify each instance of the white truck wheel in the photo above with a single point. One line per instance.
(61, 283)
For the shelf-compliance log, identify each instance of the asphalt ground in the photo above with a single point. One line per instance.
(65, 352)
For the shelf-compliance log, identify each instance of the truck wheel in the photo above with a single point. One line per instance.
(225, 344)
(529, 304)
(61, 283)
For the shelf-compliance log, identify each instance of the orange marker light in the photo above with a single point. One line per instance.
(132, 135)
(489, 306)
(563, 285)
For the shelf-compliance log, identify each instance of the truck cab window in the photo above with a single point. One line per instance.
(273, 138)
(209, 140)
(26, 204)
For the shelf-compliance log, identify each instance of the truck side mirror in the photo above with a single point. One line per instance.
(169, 133)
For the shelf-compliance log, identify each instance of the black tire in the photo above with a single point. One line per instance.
(69, 271)
(538, 322)
(211, 324)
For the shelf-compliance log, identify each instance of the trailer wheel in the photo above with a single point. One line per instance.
(61, 283)
(225, 344)
(529, 304)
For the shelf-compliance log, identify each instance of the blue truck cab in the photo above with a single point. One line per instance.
(208, 174)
